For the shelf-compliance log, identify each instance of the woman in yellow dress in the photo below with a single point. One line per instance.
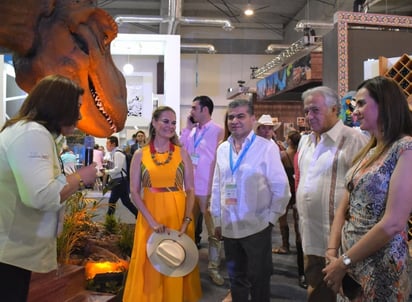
(161, 185)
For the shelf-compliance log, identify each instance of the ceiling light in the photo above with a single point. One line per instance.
(128, 69)
(248, 11)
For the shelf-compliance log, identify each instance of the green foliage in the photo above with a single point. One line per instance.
(126, 239)
(78, 221)
(107, 283)
(111, 225)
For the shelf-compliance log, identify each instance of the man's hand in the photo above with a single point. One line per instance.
(190, 122)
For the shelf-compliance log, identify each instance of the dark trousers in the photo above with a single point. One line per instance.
(121, 191)
(249, 265)
(198, 228)
(14, 284)
(298, 241)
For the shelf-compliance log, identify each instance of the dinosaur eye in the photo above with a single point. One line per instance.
(81, 43)
(106, 40)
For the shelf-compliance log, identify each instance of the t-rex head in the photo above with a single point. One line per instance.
(72, 38)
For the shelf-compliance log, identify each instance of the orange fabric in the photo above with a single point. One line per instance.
(144, 283)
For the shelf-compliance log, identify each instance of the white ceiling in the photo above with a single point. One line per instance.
(273, 22)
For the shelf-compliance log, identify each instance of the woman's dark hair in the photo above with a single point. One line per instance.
(155, 116)
(394, 118)
(226, 132)
(53, 102)
(294, 137)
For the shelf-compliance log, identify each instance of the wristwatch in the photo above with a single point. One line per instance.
(346, 260)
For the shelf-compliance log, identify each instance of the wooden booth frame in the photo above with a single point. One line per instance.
(344, 20)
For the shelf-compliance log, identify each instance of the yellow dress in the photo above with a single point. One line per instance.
(144, 283)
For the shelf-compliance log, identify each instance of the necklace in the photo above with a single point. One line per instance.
(153, 154)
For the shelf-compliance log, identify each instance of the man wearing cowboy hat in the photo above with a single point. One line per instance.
(266, 127)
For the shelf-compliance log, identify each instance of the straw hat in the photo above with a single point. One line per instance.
(266, 119)
(172, 255)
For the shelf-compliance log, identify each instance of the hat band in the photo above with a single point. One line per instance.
(163, 189)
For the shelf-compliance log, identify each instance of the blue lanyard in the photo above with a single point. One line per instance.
(241, 156)
(197, 141)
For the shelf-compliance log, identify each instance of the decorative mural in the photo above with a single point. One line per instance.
(287, 78)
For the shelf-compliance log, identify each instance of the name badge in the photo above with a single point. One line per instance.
(230, 194)
(195, 158)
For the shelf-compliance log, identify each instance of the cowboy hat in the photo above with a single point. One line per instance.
(172, 255)
(266, 119)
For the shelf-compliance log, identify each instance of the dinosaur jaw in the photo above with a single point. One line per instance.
(74, 41)
(99, 104)
(100, 117)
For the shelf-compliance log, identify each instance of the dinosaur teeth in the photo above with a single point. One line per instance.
(99, 104)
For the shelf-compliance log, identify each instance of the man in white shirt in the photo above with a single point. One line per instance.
(324, 157)
(250, 192)
(118, 176)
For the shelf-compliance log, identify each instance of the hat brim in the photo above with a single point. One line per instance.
(276, 126)
(191, 253)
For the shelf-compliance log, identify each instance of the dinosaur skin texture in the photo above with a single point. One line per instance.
(70, 38)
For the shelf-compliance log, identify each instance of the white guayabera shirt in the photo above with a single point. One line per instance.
(322, 170)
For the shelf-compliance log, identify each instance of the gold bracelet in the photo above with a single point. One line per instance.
(188, 219)
(332, 248)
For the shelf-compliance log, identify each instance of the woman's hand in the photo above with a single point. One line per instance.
(185, 224)
(331, 254)
(159, 228)
(334, 272)
(88, 174)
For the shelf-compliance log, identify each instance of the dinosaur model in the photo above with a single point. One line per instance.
(71, 38)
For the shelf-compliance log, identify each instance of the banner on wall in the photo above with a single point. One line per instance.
(291, 76)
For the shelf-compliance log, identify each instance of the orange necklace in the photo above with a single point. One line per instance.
(153, 154)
